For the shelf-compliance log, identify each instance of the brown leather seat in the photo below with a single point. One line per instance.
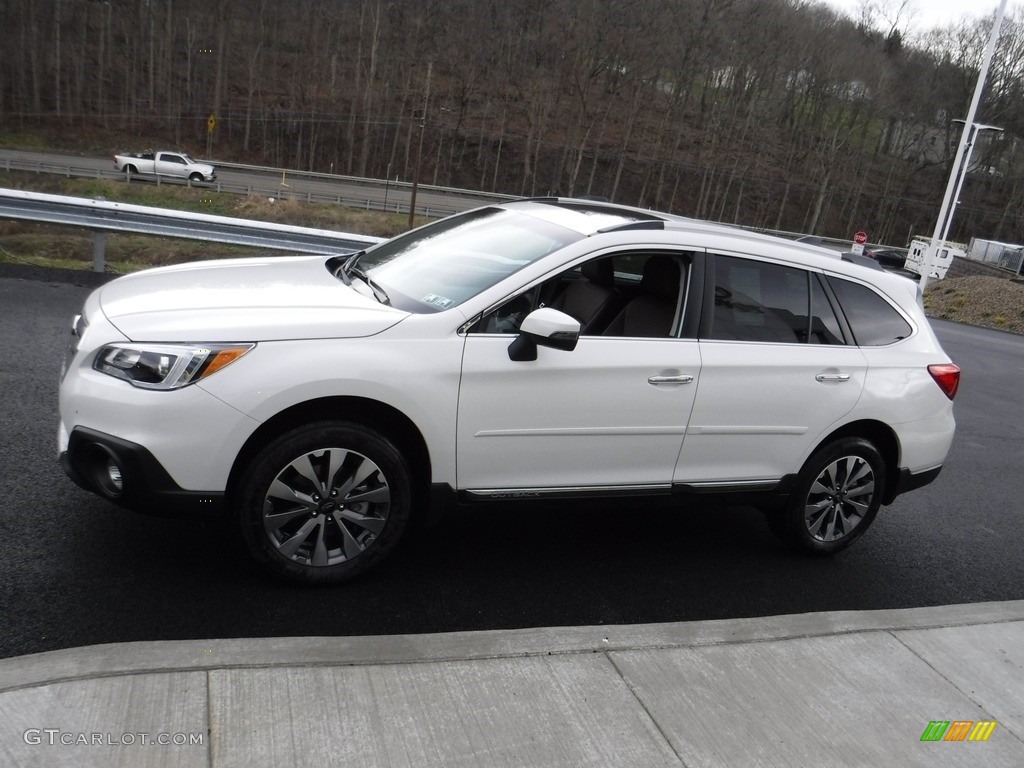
(651, 313)
(593, 300)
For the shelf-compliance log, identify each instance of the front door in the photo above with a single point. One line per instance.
(612, 412)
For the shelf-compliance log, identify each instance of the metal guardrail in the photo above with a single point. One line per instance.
(102, 216)
(468, 194)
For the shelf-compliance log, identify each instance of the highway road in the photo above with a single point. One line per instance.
(368, 193)
(76, 570)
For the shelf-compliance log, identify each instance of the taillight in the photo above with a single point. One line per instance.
(947, 376)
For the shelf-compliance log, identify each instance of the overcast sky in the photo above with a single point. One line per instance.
(926, 14)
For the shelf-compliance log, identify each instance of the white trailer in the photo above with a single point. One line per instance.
(940, 261)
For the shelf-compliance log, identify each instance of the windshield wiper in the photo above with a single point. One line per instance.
(349, 269)
(342, 271)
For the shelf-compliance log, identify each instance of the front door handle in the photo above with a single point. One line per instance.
(668, 380)
(825, 377)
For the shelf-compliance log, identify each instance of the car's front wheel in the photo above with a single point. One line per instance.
(838, 493)
(325, 502)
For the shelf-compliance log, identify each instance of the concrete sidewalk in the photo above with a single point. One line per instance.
(826, 689)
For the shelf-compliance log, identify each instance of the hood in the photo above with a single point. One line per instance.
(265, 299)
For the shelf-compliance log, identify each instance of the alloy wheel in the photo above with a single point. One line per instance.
(839, 498)
(326, 507)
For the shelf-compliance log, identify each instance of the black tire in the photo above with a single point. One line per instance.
(196, 177)
(837, 496)
(342, 497)
(130, 170)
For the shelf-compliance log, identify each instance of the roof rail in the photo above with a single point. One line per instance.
(648, 224)
(596, 206)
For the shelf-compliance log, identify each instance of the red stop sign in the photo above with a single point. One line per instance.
(860, 238)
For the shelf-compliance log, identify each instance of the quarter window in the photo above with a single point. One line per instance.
(873, 320)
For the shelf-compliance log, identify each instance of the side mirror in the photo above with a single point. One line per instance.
(544, 327)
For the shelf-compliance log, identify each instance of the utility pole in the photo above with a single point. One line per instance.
(419, 149)
(946, 212)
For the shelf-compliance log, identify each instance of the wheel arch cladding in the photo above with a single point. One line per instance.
(885, 441)
(390, 422)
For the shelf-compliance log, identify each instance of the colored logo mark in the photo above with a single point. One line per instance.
(958, 730)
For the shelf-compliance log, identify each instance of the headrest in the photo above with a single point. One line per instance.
(600, 271)
(661, 277)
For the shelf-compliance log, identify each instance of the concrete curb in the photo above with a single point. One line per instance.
(140, 658)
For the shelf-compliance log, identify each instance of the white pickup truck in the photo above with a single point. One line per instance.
(176, 164)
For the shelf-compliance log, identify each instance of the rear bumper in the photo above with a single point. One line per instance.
(145, 486)
(909, 481)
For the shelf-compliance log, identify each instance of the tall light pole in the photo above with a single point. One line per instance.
(976, 128)
(419, 148)
(946, 212)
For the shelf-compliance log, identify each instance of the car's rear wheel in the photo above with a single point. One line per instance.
(838, 493)
(325, 502)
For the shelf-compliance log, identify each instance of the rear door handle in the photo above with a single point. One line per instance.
(824, 377)
(668, 380)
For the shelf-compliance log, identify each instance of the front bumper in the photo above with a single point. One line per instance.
(129, 475)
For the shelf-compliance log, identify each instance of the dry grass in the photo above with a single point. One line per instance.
(990, 302)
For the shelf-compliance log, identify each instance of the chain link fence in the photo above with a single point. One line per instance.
(1004, 255)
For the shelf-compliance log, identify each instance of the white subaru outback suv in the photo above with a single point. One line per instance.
(535, 349)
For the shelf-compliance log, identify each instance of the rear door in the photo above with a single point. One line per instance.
(777, 373)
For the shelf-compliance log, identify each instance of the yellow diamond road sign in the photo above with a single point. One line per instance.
(211, 123)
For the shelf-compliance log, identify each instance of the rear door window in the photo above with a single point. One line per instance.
(774, 303)
(759, 301)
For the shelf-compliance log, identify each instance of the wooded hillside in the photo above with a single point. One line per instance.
(772, 113)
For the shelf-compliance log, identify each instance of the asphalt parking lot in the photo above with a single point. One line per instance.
(79, 571)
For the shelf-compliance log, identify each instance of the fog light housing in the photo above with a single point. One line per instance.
(114, 476)
(105, 471)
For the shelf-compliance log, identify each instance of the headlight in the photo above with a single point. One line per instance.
(166, 366)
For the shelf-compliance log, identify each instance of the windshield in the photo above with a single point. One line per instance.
(439, 266)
